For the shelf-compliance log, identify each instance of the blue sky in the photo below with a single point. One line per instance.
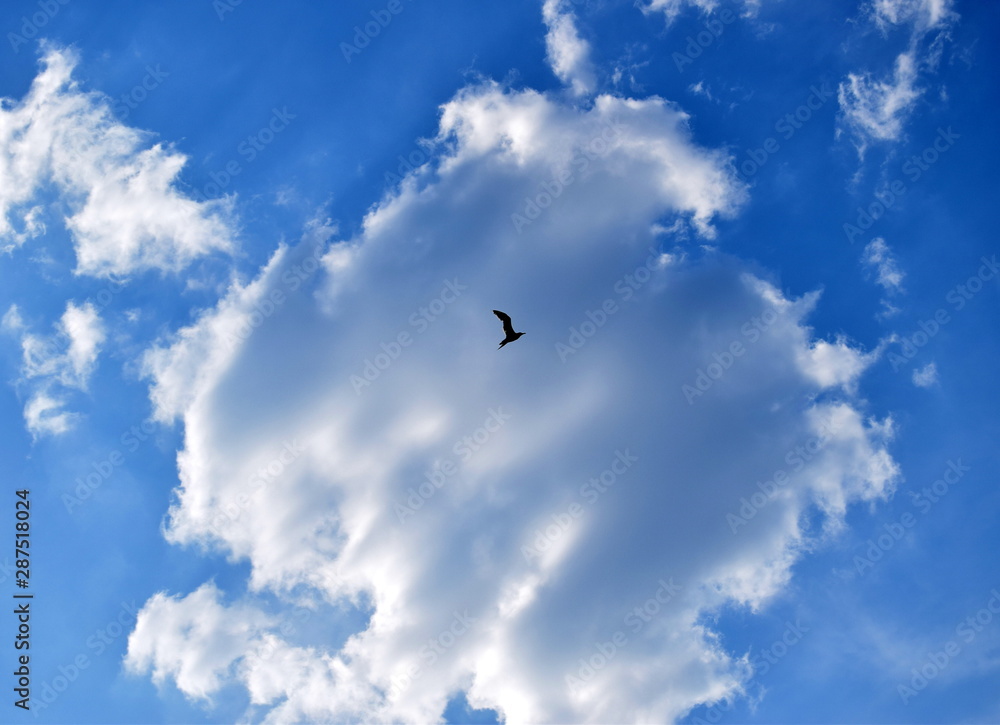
(740, 469)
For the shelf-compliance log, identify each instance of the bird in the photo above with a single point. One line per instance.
(507, 328)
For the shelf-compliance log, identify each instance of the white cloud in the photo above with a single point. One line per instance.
(286, 465)
(70, 355)
(12, 321)
(878, 256)
(44, 415)
(672, 8)
(568, 53)
(192, 639)
(924, 15)
(701, 89)
(125, 213)
(926, 376)
(876, 110)
(55, 364)
(649, 137)
(202, 351)
(31, 224)
(82, 326)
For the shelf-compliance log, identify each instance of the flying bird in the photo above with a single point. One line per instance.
(507, 328)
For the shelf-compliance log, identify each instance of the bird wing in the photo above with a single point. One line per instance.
(505, 319)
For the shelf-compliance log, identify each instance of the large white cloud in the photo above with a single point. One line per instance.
(602, 463)
(125, 214)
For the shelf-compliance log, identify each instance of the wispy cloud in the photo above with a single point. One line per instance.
(875, 107)
(926, 376)
(55, 364)
(878, 257)
(672, 8)
(568, 53)
(923, 15)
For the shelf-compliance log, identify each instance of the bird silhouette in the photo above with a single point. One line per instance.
(507, 328)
